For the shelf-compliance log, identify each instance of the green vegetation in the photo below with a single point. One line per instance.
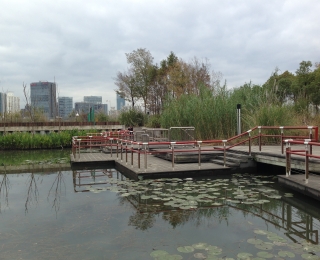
(26, 141)
(179, 93)
(132, 117)
(15, 158)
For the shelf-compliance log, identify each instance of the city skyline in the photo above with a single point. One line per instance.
(81, 45)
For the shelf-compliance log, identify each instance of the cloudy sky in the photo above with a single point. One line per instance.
(82, 44)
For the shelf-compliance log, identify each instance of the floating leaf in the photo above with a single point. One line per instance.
(265, 255)
(254, 241)
(199, 256)
(244, 255)
(310, 256)
(185, 249)
(286, 254)
(158, 253)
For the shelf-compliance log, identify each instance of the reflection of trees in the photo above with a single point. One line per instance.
(176, 218)
(4, 190)
(142, 221)
(56, 189)
(32, 193)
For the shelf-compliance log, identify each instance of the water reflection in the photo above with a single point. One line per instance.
(180, 201)
(101, 214)
(4, 191)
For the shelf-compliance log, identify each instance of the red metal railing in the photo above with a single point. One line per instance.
(120, 142)
(306, 153)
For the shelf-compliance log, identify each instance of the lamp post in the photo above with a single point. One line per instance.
(77, 115)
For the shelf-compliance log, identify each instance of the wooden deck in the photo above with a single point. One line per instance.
(153, 167)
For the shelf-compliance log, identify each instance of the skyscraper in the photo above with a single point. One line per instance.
(12, 103)
(120, 102)
(93, 99)
(65, 106)
(43, 96)
(3, 99)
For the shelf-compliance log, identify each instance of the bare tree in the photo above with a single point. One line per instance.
(127, 87)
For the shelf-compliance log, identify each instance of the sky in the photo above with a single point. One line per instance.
(81, 45)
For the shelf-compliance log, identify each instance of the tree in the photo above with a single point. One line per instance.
(141, 62)
(127, 87)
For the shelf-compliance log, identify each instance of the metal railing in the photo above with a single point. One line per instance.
(306, 153)
(121, 143)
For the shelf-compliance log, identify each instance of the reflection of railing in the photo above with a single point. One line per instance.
(84, 178)
(121, 142)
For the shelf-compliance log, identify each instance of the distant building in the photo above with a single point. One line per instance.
(84, 107)
(65, 106)
(120, 102)
(93, 99)
(43, 96)
(12, 103)
(9, 103)
(3, 99)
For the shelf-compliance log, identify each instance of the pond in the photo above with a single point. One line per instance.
(100, 214)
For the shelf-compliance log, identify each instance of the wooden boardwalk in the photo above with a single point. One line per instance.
(154, 167)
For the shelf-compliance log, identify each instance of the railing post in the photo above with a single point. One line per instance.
(307, 161)
(79, 140)
(172, 147)
(145, 156)
(288, 158)
(121, 147)
(259, 127)
(111, 139)
(310, 137)
(126, 152)
(224, 152)
(138, 155)
(90, 136)
(117, 147)
(281, 129)
(132, 153)
(199, 153)
(249, 133)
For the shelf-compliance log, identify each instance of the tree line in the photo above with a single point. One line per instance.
(154, 84)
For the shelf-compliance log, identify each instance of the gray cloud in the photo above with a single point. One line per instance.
(82, 44)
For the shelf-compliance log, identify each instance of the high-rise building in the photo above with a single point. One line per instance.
(84, 107)
(120, 102)
(3, 99)
(65, 106)
(43, 96)
(93, 99)
(12, 103)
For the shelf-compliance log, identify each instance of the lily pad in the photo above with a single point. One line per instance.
(158, 253)
(264, 254)
(244, 255)
(286, 254)
(200, 246)
(185, 249)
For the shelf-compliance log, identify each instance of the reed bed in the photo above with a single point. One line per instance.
(26, 141)
(214, 113)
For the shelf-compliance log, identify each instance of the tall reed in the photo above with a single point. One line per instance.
(214, 113)
(25, 141)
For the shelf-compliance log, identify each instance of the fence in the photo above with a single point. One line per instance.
(121, 143)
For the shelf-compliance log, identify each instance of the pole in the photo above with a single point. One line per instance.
(238, 119)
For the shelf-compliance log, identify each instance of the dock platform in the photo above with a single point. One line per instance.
(155, 167)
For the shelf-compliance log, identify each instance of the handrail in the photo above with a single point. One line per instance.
(306, 153)
(121, 139)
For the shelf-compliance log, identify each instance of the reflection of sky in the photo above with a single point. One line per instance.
(88, 224)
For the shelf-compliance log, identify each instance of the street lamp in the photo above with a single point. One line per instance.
(77, 115)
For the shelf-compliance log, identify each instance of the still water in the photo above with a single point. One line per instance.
(100, 214)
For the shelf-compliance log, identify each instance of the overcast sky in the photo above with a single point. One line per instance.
(82, 44)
